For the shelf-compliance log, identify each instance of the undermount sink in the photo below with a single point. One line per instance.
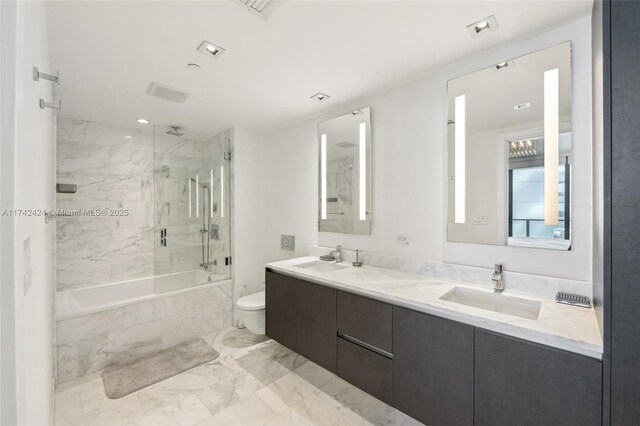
(320, 266)
(496, 302)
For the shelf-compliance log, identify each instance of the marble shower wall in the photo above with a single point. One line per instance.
(112, 172)
(179, 159)
(89, 343)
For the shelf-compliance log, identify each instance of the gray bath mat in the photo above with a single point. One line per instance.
(121, 380)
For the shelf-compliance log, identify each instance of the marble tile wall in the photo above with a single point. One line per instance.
(112, 172)
(178, 159)
(116, 172)
(89, 343)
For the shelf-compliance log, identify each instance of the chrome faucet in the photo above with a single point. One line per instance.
(497, 278)
(337, 253)
(357, 263)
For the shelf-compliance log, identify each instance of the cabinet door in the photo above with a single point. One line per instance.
(317, 324)
(432, 368)
(281, 309)
(365, 369)
(526, 384)
(366, 320)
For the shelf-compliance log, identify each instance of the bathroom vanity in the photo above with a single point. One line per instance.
(392, 334)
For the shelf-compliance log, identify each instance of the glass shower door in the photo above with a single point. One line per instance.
(192, 208)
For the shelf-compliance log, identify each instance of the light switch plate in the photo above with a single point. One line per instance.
(288, 242)
(402, 240)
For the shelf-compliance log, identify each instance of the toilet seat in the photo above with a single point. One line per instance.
(253, 302)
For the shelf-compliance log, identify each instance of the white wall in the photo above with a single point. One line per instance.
(33, 183)
(249, 188)
(409, 177)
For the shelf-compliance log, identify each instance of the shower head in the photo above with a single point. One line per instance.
(175, 131)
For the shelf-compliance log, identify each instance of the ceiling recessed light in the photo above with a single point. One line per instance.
(504, 65)
(482, 26)
(320, 97)
(193, 67)
(522, 106)
(128, 137)
(143, 121)
(210, 49)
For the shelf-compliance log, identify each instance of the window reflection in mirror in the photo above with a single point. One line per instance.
(526, 195)
(344, 173)
(509, 152)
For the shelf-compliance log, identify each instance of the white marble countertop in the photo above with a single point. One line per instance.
(565, 327)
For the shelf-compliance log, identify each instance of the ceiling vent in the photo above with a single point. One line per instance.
(166, 92)
(261, 8)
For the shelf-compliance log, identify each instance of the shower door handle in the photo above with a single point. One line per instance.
(163, 237)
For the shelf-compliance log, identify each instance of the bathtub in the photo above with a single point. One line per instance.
(73, 303)
(119, 322)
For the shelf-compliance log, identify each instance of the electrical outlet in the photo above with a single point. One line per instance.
(480, 220)
(288, 242)
(402, 240)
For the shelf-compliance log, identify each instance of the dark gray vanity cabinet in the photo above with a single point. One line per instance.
(433, 368)
(365, 344)
(302, 317)
(316, 326)
(281, 314)
(366, 320)
(365, 369)
(527, 384)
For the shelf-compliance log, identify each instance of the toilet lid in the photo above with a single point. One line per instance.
(253, 302)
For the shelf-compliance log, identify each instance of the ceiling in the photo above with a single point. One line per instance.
(108, 52)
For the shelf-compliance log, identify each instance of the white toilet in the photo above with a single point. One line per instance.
(251, 312)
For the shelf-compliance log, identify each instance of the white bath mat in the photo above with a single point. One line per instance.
(123, 379)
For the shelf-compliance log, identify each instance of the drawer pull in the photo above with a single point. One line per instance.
(365, 345)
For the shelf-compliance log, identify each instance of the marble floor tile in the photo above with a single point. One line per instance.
(312, 410)
(343, 392)
(314, 374)
(285, 392)
(353, 419)
(249, 411)
(191, 382)
(379, 413)
(68, 406)
(254, 382)
(188, 411)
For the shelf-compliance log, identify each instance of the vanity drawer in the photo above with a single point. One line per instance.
(366, 320)
(365, 369)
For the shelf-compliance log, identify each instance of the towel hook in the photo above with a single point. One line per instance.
(37, 75)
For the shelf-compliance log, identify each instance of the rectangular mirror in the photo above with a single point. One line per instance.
(344, 188)
(509, 152)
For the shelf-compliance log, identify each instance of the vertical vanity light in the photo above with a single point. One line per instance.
(189, 182)
(197, 196)
(221, 191)
(211, 193)
(551, 149)
(323, 176)
(459, 158)
(363, 171)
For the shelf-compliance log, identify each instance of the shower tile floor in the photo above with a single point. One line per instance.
(253, 382)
